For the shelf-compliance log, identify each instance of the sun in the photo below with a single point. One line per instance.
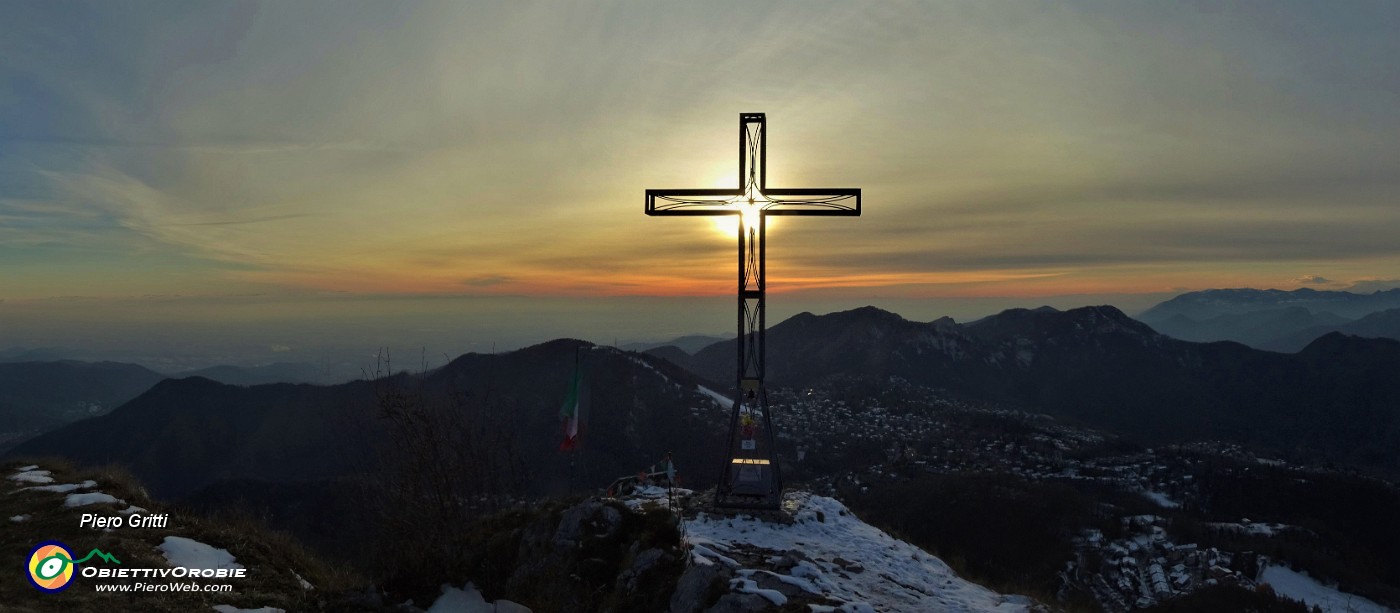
(728, 225)
(750, 204)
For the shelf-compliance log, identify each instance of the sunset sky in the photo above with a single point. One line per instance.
(474, 172)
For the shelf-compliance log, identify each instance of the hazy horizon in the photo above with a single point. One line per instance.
(344, 335)
(165, 332)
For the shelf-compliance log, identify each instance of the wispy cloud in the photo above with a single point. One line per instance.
(503, 148)
(486, 280)
(1367, 286)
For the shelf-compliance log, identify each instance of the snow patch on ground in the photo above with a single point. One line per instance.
(32, 476)
(305, 585)
(1161, 499)
(1254, 528)
(79, 500)
(648, 366)
(749, 586)
(1298, 586)
(842, 559)
(469, 600)
(19, 518)
(705, 556)
(63, 488)
(723, 401)
(653, 496)
(189, 553)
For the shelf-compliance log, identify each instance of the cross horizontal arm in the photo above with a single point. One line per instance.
(773, 201)
(692, 201)
(812, 201)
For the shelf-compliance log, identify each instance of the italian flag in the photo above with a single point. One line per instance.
(570, 413)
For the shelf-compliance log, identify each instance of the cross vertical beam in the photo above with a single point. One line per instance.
(750, 477)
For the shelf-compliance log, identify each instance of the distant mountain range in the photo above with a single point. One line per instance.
(1206, 304)
(1273, 319)
(32, 354)
(277, 372)
(687, 344)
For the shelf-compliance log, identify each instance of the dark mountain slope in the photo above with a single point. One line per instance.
(637, 408)
(674, 355)
(184, 435)
(1098, 366)
(1381, 324)
(807, 349)
(41, 396)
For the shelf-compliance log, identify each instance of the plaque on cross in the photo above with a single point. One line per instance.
(750, 477)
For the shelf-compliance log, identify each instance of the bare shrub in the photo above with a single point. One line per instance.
(450, 458)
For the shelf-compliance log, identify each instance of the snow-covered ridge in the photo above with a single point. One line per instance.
(831, 556)
(1299, 586)
(719, 398)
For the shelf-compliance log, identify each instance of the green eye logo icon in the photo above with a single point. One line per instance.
(51, 566)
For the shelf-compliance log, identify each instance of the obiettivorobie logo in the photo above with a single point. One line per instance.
(51, 565)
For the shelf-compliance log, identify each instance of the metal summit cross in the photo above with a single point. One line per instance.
(750, 477)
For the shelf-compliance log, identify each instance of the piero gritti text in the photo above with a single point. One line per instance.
(135, 520)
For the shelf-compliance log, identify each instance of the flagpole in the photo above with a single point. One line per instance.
(578, 418)
(583, 394)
